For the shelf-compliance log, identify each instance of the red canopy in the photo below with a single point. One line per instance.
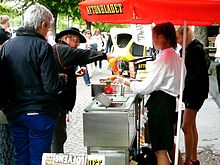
(195, 12)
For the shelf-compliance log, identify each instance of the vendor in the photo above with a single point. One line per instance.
(162, 84)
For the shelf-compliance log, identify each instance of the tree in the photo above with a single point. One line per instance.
(69, 8)
(4, 9)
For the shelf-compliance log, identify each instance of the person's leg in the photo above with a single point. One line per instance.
(41, 129)
(100, 64)
(90, 69)
(60, 135)
(21, 141)
(86, 78)
(162, 157)
(195, 137)
(95, 63)
(188, 121)
(172, 155)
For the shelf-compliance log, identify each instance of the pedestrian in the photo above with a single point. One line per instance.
(87, 76)
(98, 39)
(6, 142)
(33, 109)
(90, 44)
(195, 91)
(4, 33)
(217, 45)
(162, 83)
(68, 56)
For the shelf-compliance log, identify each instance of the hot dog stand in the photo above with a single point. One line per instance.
(112, 130)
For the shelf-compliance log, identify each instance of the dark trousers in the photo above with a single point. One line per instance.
(218, 75)
(60, 135)
(100, 64)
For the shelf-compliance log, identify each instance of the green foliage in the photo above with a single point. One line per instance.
(69, 8)
(106, 27)
(63, 11)
(4, 9)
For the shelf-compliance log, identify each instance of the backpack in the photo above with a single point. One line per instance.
(6, 87)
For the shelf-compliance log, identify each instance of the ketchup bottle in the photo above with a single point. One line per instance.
(108, 89)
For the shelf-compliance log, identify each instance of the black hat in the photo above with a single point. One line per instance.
(70, 30)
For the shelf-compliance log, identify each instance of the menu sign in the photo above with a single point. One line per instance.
(72, 159)
(105, 9)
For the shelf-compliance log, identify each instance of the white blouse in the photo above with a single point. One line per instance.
(164, 74)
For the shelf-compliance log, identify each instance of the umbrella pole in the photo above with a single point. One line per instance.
(182, 80)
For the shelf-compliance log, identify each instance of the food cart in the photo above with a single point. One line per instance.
(111, 124)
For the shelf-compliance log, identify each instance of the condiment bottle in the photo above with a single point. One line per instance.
(108, 89)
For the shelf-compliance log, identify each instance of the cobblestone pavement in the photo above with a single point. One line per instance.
(207, 121)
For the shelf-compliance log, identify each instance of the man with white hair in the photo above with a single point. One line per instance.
(33, 111)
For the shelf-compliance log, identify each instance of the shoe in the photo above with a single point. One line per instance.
(195, 162)
(88, 84)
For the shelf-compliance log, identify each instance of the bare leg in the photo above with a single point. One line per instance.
(195, 137)
(162, 157)
(172, 155)
(188, 122)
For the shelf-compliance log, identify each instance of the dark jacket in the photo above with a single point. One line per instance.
(35, 74)
(3, 36)
(67, 58)
(197, 79)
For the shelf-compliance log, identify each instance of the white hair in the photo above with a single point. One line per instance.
(35, 14)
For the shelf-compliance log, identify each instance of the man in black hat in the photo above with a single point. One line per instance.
(67, 56)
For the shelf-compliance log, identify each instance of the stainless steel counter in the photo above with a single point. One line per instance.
(119, 103)
(111, 130)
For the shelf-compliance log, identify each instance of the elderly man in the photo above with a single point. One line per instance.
(68, 56)
(34, 108)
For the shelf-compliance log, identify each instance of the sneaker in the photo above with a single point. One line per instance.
(195, 162)
(88, 84)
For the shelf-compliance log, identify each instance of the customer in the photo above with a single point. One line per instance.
(90, 44)
(34, 108)
(217, 45)
(68, 56)
(87, 76)
(6, 142)
(195, 92)
(163, 85)
(98, 39)
(5, 24)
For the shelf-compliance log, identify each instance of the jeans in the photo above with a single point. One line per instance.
(60, 135)
(86, 77)
(32, 135)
